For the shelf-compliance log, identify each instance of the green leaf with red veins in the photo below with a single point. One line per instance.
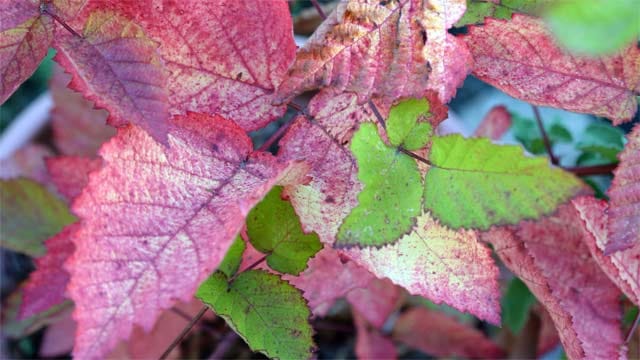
(521, 58)
(384, 50)
(116, 65)
(157, 220)
(549, 255)
(254, 47)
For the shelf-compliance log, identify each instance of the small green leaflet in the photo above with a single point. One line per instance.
(478, 10)
(274, 229)
(475, 184)
(516, 304)
(403, 128)
(391, 198)
(266, 311)
(233, 258)
(30, 215)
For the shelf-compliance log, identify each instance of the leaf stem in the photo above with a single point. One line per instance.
(632, 329)
(184, 332)
(278, 134)
(374, 108)
(545, 138)
(44, 10)
(415, 156)
(319, 9)
(592, 170)
(255, 263)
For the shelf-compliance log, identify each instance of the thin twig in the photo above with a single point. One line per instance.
(319, 9)
(592, 170)
(44, 10)
(256, 263)
(632, 329)
(374, 108)
(184, 333)
(224, 345)
(545, 138)
(181, 313)
(278, 134)
(415, 156)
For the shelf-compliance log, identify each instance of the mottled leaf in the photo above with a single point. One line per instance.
(403, 128)
(622, 267)
(253, 44)
(520, 58)
(624, 193)
(594, 27)
(329, 277)
(78, 128)
(392, 194)
(376, 301)
(387, 50)
(478, 10)
(116, 65)
(370, 343)
(70, 174)
(495, 124)
(266, 311)
(550, 257)
(30, 215)
(440, 264)
(157, 220)
(475, 184)
(275, 230)
(439, 335)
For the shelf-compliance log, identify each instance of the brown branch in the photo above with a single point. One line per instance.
(592, 170)
(379, 117)
(545, 138)
(278, 134)
(184, 333)
(319, 9)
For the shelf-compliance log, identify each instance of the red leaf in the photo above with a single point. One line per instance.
(376, 301)
(327, 278)
(520, 58)
(47, 285)
(156, 220)
(370, 343)
(495, 124)
(116, 65)
(70, 174)
(624, 195)
(224, 57)
(78, 128)
(550, 257)
(24, 40)
(440, 264)
(439, 335)
(383, 50)
(622, 267)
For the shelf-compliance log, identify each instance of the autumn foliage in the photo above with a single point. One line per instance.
(363, 199)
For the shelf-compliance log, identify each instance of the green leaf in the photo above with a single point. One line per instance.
(558, 134)
(403, 128)
(478, 10)
(392, 195)
(600, 144)
(274, 229)
(233, 258)
(516, 304)
(30, 215)
(594, 27)
(475, 184)
(266, 311)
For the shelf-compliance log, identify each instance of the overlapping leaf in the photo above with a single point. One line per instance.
(376, 301)
(495, 123)
(70, 174)
(550, 257)
(624, 194)
(388, 50)
(157, 220)
(116, 65)
(520, 58)
(437, 334)
(253, 44)
(370, 343)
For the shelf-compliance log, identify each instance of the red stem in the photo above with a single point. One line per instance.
(184, 333)
(44, 10)
(319, 9)
(545, 138)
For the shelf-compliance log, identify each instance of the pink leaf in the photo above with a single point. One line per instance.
(370, 343)
(495, 124)
(328, 277)
(622, 267)
(376, 301)
(624, 195)
(386, 50)
(78, 128)
(224, 57)
(156, 221)
(439, 335)
(440, 264)
(520, 58)
(116, 65)
(58, 337)
(70, 174)
(47, 285)
(28, 162)
(550, 257)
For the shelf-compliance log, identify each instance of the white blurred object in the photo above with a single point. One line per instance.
(26, 125)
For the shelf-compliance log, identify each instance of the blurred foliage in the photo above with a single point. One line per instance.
(516, 304)
(29, 90)
(594, 27)
(526, 131)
